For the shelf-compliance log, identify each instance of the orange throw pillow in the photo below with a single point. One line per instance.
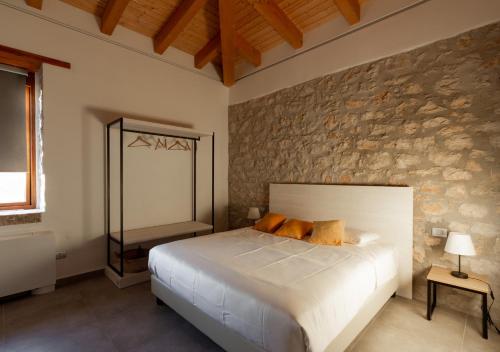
(328, 232)
(295, 229)
(270, 222)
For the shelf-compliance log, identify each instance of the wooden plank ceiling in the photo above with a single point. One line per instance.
(246, 28)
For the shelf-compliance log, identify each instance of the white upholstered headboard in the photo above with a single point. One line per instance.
(385, 210)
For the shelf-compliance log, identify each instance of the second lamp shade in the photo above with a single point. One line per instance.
(459, 243)
(253, 213)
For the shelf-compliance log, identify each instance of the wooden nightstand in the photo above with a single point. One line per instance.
(475, 283)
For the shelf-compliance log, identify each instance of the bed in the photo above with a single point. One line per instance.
(252, 291)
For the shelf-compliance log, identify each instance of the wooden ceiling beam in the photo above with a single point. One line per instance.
(226, 24)
(210, 51)
(112, 14)
(247, 51)
(37, 4)
(278, 19)
(350, 9)
(180, 18)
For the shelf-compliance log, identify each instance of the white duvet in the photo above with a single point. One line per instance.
(282, 294)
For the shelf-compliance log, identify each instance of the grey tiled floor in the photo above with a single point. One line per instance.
(402, 326)
(92, 315)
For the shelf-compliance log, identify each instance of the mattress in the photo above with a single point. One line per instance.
(281, 294)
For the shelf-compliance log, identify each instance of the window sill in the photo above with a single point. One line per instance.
(21, 212)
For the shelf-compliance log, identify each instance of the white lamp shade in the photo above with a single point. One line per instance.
(459, 243)
(253, 213)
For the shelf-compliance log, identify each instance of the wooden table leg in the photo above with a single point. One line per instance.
(485, 315)
(429, 286)
(434, 297)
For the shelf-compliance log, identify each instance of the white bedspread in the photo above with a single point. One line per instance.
(280, 293)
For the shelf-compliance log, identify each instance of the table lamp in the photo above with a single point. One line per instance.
(253, 214)
(461, 244)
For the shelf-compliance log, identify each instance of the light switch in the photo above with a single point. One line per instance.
(439, 232)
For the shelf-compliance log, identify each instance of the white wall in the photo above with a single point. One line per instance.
(428, 22)
(105, 80)
(157, 182)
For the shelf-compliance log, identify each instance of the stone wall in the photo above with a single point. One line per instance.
(428, 118)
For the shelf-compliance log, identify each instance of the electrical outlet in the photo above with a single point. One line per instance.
(61, 255)
(439, 232)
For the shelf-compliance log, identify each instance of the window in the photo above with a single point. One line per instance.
(21, 175)
(17, 139)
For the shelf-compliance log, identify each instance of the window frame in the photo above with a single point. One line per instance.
(32, 63)
(31, 174)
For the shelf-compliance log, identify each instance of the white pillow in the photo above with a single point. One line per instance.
(359, 237)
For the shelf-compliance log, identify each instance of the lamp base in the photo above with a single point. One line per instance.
(460, 274)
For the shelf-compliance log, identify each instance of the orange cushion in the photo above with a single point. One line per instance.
(328, 232)
(295, 229)
(270, 222)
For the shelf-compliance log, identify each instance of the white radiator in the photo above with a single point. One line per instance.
(27, 262)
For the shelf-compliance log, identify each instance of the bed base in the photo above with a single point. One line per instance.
(233, 342)
(221, 335)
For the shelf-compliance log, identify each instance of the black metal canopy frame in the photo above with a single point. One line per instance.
(120, 271)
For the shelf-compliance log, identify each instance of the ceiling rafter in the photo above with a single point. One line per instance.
(37, 4)
(212, 49)
(226, 24)
(246, 50)
(223, 29)
(208, 53)
(278, 19)
(112, 14)
(174, 25)
(350, 9)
